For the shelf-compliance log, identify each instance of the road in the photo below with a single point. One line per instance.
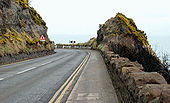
(37, 80)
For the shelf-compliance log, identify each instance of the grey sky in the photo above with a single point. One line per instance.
(80, 17)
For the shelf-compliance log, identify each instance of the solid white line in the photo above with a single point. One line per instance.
(1, 79)
(26, 70)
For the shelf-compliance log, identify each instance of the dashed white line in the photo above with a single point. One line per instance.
(2, 79)
(32, 68)
(46, 63)
(26, 70)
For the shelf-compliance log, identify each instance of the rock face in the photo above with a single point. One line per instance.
(121, 35)
(20, 29)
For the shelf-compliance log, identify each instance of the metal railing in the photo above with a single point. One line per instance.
(73, 47)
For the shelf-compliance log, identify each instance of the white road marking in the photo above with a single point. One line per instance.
(2, 79)
(46, 63)
(26, 70)
(33, 68)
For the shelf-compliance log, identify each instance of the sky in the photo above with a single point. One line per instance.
(80, 19)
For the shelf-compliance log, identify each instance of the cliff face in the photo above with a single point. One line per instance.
(121, 35)
(20, 29)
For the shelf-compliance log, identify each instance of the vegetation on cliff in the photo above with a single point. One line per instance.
(122, 26)
(121, 35)
(20, 29)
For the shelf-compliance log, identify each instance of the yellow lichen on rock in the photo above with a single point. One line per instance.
(129, 42)
(133, 29)
(13, 42)
(23, 3)
(36, 17)
(110, 35)
(20, 31)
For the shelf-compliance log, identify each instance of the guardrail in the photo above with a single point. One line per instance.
(73, 47)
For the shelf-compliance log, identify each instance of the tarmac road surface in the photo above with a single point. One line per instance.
(37, 80)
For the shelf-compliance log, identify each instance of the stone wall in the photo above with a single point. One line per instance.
(121, 35)
(132, 84)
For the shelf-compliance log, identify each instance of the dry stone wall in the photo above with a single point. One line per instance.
(132, 84)
(121, 35)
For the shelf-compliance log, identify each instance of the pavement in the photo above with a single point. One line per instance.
(94, 84)
(37, 80)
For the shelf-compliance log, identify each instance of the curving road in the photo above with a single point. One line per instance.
(37, 80)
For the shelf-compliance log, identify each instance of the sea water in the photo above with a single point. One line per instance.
(160, 44)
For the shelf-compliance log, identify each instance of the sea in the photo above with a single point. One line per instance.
(160, 44)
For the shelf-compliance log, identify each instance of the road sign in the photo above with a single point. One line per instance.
(72, 41)
(42, 37)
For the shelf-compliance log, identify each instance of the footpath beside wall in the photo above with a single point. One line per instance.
(132, 84)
